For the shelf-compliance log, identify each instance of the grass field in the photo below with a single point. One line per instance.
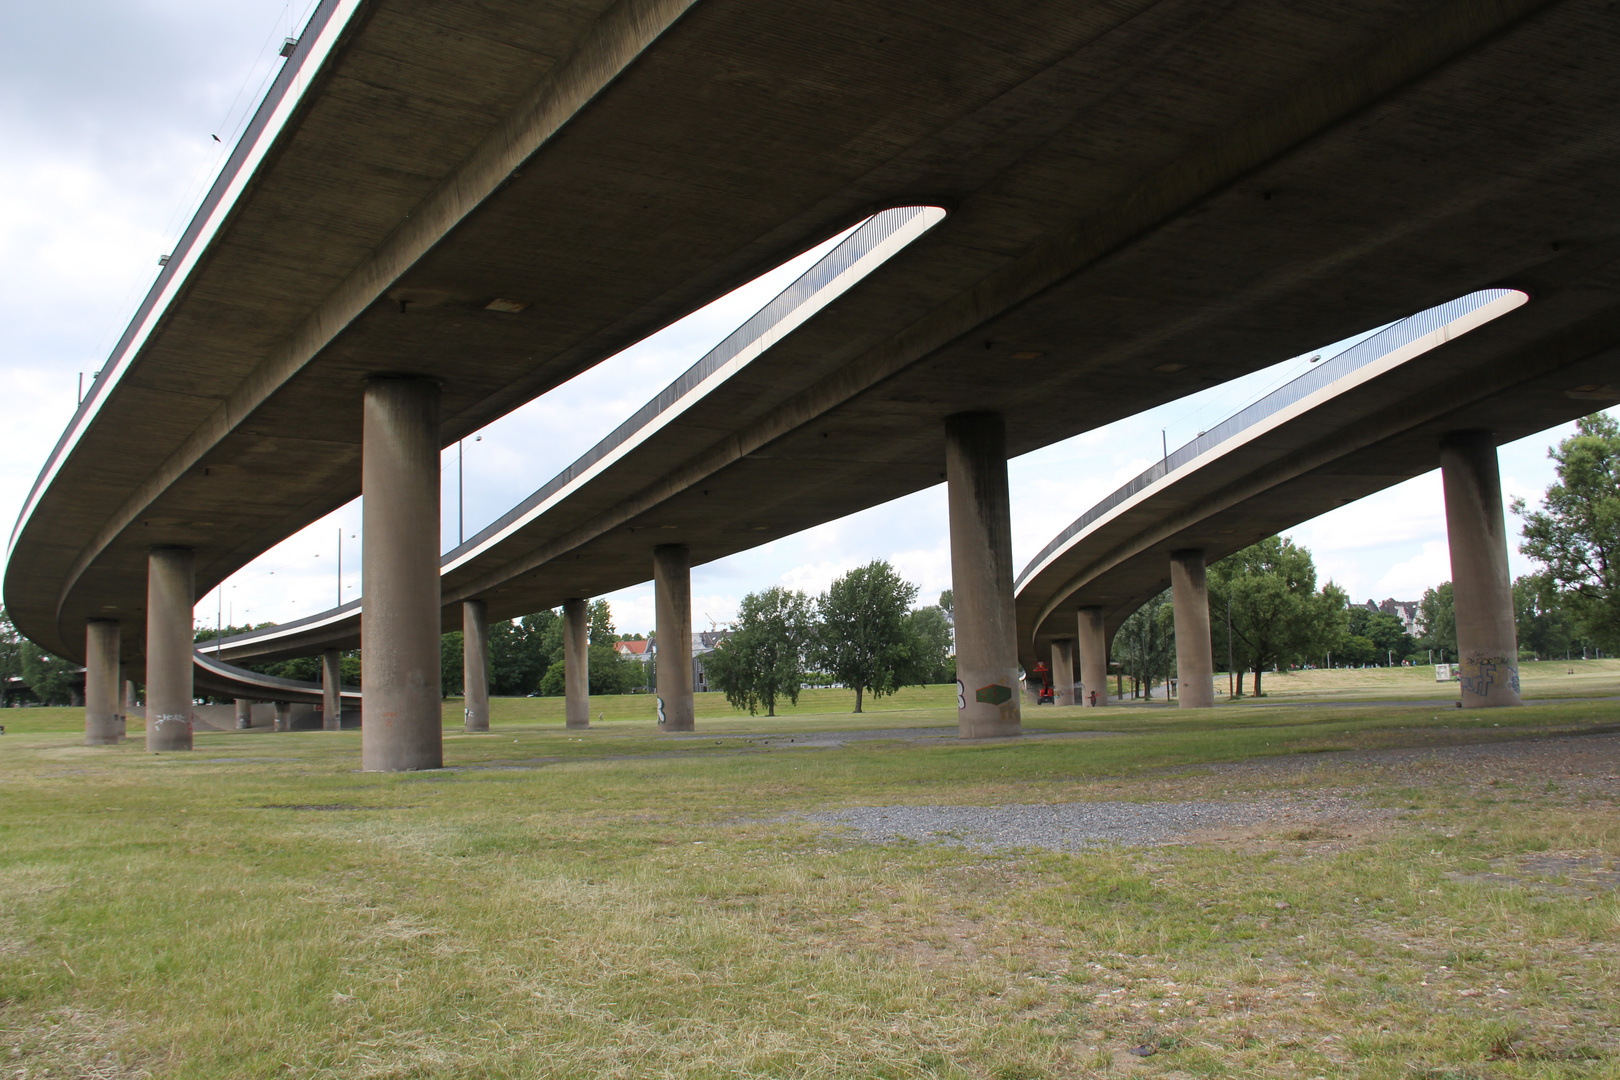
(618, 902)
(1540, 679)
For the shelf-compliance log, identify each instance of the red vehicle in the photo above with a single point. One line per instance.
(1042, 677)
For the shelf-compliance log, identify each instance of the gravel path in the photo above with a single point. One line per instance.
(1068, 826)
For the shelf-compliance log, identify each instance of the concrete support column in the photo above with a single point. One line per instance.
(475, 664)
(1487, 641)
(1195, 664)
(577, 663)
(1093, 643)
(982, 576)
(283, 716)
(103, 724)
(332, 690)
(672, 597)
(1063, 671)
(170, 596)
(399, 625)
(244, 714)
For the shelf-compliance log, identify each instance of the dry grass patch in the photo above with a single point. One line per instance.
(628, 906)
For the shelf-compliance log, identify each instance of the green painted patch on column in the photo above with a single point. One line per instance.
(994, 694)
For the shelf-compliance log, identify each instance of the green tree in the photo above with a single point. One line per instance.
(1385, 635)
(601, 620)
(1145, 644)
(515, 659)
(452, 673)
(762, 660)
(10, 649)
(1438, 613)
(555, 681)
(52, 679)
(862, 639)
(1278, 616)
(1576, 534)
(209, 633)
(1542, 621)
(1356, 649)
(931, 660)
(610, 673)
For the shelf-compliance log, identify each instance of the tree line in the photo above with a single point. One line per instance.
(526, 656)
(862, 633)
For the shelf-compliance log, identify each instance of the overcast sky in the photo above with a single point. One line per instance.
(107, 117)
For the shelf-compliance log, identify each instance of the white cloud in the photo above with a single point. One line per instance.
(1407, 580)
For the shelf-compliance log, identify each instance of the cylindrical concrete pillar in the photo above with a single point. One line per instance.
(672, 598)
(283, 716)
(399, 625)
(1487, 641)
(1093, 644)
(170, 596)
(982, 576)
(332, 689)
(1063, 671)
(1195, 664)
(475, 664)
(244, 714)
(577, 663)
(103, 724)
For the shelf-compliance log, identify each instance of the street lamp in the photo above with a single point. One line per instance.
(461, 495)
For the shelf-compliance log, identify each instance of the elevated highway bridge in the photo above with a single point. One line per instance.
(1442, 388)
(441, 212)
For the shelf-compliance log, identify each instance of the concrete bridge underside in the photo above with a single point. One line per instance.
(1145, 199)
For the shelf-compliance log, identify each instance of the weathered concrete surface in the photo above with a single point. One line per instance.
(170, 596)
(1280, 186)
(103, 719)
(400, 688)
(331, 690)
(244, 714)
(1093, 645)
(672, 602)
(1189, 593)
(1482, 588)
(1063, 671)
(982, 576)
(576, 663)
(475, 664)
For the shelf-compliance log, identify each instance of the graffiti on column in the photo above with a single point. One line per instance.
(994, 694)
(1480, 673)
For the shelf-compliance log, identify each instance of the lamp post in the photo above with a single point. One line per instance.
(461, 491)
(1229, 672)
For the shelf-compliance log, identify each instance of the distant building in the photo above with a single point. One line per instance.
(1404, 610)
(639, 651)
(703, 643)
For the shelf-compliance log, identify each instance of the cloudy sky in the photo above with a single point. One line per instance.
(108, 112)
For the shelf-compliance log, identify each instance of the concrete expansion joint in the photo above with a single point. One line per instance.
(1465, 435)
(401, 377)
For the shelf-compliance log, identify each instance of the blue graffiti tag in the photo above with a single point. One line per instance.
(1479, 674)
